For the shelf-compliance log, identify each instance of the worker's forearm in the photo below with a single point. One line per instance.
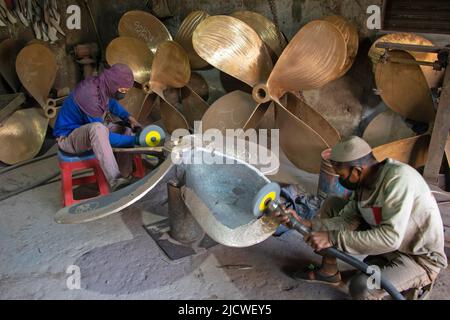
(121, 141)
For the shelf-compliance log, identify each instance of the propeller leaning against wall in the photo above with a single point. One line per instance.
(317, 55)
(406, 89)
(36, 67)
(22, 134)
(161, 68)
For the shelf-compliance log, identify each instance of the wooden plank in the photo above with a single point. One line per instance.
(440, 134)
(432, 16)
(9, 104)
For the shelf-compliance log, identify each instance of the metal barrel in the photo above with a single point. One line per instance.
(329, 185)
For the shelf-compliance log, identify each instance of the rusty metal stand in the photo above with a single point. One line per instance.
(180, 236)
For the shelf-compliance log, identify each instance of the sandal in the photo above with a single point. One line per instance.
(312, 274)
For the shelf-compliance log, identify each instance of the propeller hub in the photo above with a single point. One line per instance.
(261, 94)
(148, 88)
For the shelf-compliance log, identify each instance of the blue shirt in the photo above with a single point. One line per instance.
(71, 117)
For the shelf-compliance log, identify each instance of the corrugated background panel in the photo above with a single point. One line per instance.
(427, 16)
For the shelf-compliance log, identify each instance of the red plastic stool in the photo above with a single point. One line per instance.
(139, 171)
(69, 165)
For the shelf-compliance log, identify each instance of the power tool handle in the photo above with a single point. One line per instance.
(297, 225)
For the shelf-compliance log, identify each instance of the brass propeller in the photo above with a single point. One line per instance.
(184, 38)
(404, 88)
(199, 85)
(233, 47)
(323, 53)
(144, 26)
(303, 146)
(36, 67)
(316, 56)
(230, 112)
(433, 77)
(266, 30)
(166, 74)
(22, 135)
(134, 53)
(413, 151)
(9, 49)
(385, 128)
(170, 68)
(351, 37)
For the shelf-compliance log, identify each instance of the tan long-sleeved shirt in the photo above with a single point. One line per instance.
(402, 213)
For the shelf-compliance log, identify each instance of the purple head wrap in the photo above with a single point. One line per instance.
(92, 95)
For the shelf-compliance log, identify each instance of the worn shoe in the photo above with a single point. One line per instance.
(312, 274)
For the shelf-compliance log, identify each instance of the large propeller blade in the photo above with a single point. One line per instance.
(233, 47)
(36, 67)
(134, 53)
(199, 85)
(231, 112)
(194, 107)
(404, 88)
(308, 115)
(170, 69)
(265, 28)
(173, 119)
(133, 102)
(433, 77)
(144, 26)
(386, 128)
(22, 135)
(184, 38)
(351, 38)
(303, 146)
(315, 57)
(413, 151)
(9, 49)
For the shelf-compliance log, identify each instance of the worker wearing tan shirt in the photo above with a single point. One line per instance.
(392, 217)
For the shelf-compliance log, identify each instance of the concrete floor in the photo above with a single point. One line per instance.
(119, 260)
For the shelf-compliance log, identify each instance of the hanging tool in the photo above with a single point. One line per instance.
(268, 203)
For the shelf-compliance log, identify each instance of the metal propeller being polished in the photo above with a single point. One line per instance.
(162, 69)
(317, 55)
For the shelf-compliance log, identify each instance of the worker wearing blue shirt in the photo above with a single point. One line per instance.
(80, 126)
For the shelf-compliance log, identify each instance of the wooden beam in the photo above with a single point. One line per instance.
(440, 134)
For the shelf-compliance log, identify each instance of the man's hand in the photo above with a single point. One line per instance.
(134, 123)
(284, 220)
(319, 241)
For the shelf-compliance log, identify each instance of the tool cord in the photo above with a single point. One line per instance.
(358, 264)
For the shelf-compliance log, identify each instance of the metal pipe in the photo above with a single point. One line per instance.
(411, 47)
